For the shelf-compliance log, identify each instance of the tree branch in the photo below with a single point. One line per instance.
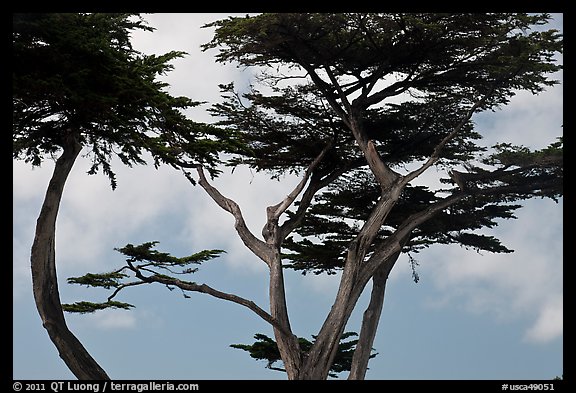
(121, 287)
(384, 175)
(394, 242)
(371, 316)
(203, 288)
(343, 96)
(370, 320)
(313, 187)
(274, 212)
(389, 91)
(330, 97)
(382, 172)
(257, 246)
(43, 267)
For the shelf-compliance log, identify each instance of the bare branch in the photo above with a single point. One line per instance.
(370, 320)
(43, 265)
(371, 316)
(313, 187)
(274, 212)
(203, 288)
(384, 175)
(457, 178)
(121, 287)
(341, 93)
(330, 97)
(394, 89)
(394, 242)
(257, 246)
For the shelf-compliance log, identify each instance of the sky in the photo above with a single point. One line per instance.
(470, 317)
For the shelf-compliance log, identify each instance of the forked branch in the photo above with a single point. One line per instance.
(257, 246)
(274, 212)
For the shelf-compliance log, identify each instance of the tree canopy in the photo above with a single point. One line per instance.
(407, 79)
(79, 74)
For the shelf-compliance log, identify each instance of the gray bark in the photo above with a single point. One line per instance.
(370, 320)
(44, 278)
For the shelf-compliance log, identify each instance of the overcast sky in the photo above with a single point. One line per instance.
(471, 316)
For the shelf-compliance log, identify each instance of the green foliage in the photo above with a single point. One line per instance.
(286, 131)
(144, 252)
(443, 54)
(105, 280)
(89, 307)
(508, 155)
(78, 74)
(334, 220)
(265, 348)
(521, 172)
(399, 82)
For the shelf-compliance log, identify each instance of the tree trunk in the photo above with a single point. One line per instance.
(370, 320)
(321, 356)
(371, 317)
(44, 278)
(288, 346)
(354, 279)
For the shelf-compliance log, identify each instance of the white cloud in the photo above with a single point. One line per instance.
(93, 219)
(549, 323)
(27, 181)
(196, 75)
(525, 284)
(530, 120)
(116, 319)
(111, 320)
(323, 284)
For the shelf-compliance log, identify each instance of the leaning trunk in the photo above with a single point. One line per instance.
(321, 356)
(44, 279)
(370, 321)
(371, 316)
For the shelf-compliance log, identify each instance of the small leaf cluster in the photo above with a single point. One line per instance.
(265, 348)
(89, 307)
